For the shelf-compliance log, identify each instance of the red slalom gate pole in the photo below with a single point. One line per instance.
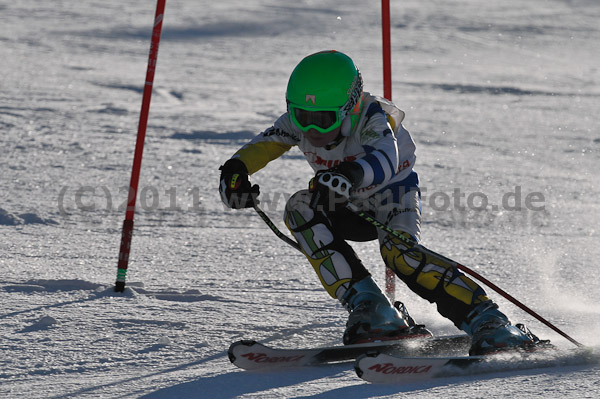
(387, 52)
(390, 281)
(127, 232)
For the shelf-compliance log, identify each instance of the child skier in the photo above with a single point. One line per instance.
(362, 154)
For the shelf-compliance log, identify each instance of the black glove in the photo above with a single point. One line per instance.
(235, 188)
(331, 188)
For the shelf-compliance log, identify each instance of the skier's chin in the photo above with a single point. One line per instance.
(319, 139)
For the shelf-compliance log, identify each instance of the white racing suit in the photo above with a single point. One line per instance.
(389, 191)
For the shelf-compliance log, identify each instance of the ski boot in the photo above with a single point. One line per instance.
(491, 332)
(372, 317)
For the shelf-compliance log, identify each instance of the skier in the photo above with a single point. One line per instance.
(362, 154)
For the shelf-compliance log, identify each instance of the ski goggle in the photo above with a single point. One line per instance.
(323, 120)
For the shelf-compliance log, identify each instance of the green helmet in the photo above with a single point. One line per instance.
(323, 89)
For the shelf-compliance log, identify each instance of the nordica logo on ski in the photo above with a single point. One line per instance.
(389, 368)
(264, 358)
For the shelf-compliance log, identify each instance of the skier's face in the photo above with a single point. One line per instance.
(319, 139)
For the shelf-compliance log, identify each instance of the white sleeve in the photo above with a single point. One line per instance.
(383, 157)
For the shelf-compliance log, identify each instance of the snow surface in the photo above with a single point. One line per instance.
(501, 98)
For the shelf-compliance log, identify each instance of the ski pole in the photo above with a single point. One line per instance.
(465, 269)
(274, 228)
(515, 301)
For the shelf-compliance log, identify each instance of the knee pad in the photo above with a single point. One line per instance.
(433, 278)
(335, 262)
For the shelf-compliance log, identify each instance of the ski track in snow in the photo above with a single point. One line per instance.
(501, 100)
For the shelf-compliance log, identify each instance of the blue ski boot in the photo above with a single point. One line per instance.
(372, 317)
(492, 332)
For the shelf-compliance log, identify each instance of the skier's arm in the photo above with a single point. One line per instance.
(235, 188)
(256, 155)
(269, 145)
(387, 152)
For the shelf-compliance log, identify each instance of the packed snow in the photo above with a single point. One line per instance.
(502, 101)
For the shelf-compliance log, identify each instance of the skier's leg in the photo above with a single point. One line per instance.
(335, 262)
(457, 297)
(341, 271)
(422, 273)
